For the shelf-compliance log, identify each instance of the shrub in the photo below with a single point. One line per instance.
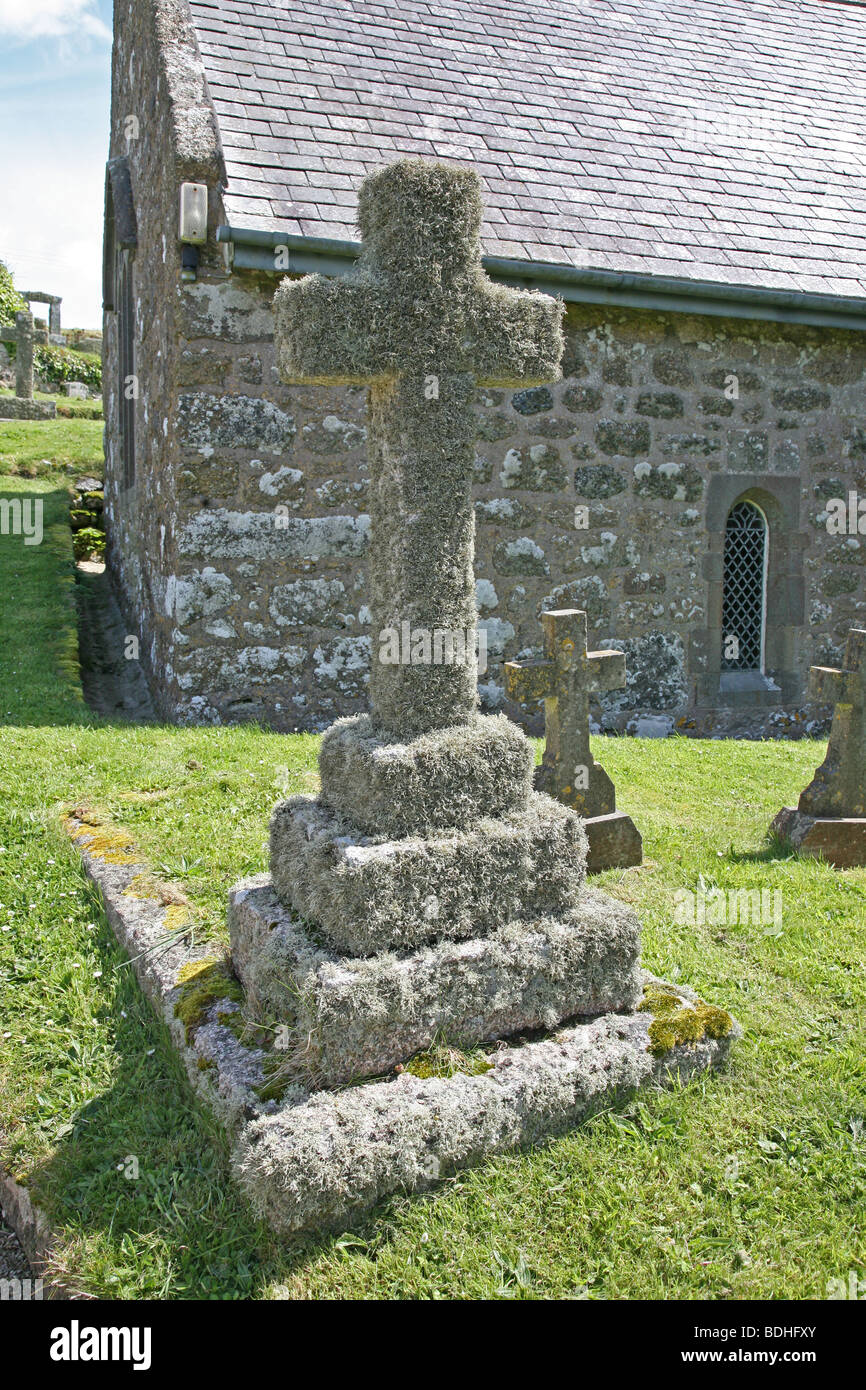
(88, 542)
(11, 302)
(58, 364)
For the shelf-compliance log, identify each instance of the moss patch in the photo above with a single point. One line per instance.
(110, 843)
(676, 1020)
(202, 983)
(442, 1060)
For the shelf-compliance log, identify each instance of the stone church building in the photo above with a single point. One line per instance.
(688, 177)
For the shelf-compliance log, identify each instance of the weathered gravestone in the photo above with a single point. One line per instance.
(428, 891)
(22, 405)
(565, 679)
(830, 818)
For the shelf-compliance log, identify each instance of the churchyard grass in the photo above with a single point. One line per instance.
(68, 406)
(43, 448)
(745, 1184)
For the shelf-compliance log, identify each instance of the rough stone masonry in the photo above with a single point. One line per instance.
(467, 915)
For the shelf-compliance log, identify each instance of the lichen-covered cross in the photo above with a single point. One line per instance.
(839, 785)
(565, 679)
(423, 327)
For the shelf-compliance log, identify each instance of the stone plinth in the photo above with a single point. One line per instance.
(841, 840)
(351, 1018)
(371, 893)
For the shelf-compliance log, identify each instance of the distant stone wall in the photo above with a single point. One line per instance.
(268, 596)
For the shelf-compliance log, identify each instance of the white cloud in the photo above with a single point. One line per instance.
(51, 228)
(51, 19)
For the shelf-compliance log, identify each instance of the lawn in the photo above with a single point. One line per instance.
(742, 1185)
(45, 448)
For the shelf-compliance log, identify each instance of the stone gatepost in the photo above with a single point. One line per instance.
(565, 679)
(830, 819)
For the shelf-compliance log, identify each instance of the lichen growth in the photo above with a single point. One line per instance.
(204, 982)
(148, 886)
(676, 1020)
(102, 841)
(177, 916)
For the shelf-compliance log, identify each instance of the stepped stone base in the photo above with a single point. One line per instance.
(370, 894)
(840, 840)
(327, 1159)
(614, 842)
(356, 1017)
(447, 779)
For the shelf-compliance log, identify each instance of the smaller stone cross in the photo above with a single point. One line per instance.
(565, 679)
(839, 785)
(25, 337)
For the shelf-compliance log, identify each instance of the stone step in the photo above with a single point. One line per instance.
(446, 779)
(326, 1161)
(372, 893)
(349, 1018)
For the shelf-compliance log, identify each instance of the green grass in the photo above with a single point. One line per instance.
(45, 448)
(742, 1185)
(89, 409)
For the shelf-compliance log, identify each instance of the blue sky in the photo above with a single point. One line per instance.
(55, 71)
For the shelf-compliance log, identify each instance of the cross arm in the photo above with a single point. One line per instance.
(529, 680)
(517, 337)
(324, 331)
(828, 686)
(606, 670)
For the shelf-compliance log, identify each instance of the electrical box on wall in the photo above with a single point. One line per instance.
(193, 213)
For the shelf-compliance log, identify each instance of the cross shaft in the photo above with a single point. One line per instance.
(422, 326)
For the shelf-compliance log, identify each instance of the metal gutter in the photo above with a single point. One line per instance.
(258, 250)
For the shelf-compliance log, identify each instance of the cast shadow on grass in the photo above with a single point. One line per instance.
(772, 851)
(139, 1183)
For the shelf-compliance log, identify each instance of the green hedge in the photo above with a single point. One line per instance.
(57, 364)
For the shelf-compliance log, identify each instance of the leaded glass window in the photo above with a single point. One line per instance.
(744, 585)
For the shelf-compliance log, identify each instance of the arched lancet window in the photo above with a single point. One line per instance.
(744, 606)
(121, 239)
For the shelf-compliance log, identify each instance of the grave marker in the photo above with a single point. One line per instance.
(830, 818)
(565, 679)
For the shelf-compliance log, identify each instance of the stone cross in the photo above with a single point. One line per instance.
(421, 325)
(25, 336)
(838, 788)
(565, 679)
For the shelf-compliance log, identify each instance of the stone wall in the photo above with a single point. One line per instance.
(240, 550)
(161, 123)
(607, 492)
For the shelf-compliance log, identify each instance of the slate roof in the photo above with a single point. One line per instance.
(714, 140)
